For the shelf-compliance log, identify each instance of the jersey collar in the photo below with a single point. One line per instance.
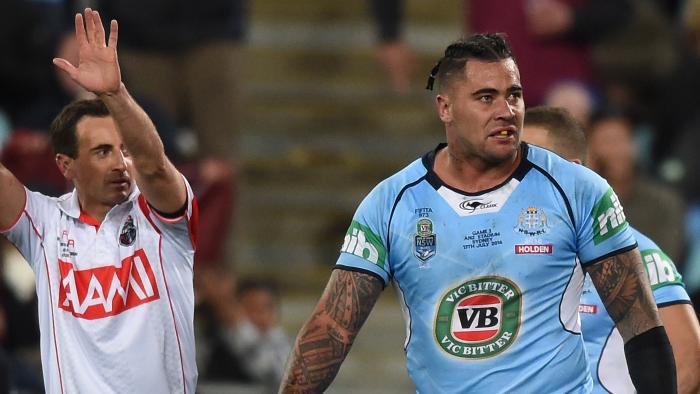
(70, 205)
(435, 181)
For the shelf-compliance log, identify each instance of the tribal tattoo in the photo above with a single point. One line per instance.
(624, 287)
(326, 338)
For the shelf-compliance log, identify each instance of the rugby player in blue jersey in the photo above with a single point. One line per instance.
(486, 241)
(555, 129)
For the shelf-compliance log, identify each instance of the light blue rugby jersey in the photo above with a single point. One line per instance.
(489, 281)
(605, 347)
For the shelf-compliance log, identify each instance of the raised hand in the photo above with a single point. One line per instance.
(98, 67)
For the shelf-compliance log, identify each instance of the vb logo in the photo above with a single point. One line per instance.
(479, 318)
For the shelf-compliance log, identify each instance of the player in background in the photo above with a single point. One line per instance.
(555, 129)
(113, 260)
(480, 238)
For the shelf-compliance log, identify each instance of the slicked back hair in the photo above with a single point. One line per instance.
(483, 46)
(564, 131)
(64, 138)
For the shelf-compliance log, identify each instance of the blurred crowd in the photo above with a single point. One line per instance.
(628, 71)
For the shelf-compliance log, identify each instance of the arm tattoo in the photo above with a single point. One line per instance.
(624, 288)
(326, 338)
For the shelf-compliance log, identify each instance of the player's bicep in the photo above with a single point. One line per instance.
(624, 288)
(164, 189)
(12, 198)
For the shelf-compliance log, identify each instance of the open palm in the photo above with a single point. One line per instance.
(98, 68)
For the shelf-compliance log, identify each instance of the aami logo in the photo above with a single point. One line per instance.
(533, 249)
(479, 318)
(106, 291)
(586, 308)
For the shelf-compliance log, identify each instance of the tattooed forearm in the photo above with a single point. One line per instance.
(325, 339)
(624, 288)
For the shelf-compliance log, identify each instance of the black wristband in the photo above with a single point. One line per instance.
(650, 362)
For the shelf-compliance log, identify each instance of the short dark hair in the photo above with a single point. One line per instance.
(248, 285)
(482, 46)
(64, 139)
(565, 132)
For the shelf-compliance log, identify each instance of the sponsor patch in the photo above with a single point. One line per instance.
(534, 249)
(479, 318)
(107, 291)
(590, 309)
(608, 217)
(362, 242)
(470, 206)
(660, 269)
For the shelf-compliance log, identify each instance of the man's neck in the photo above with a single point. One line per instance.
(472, 175)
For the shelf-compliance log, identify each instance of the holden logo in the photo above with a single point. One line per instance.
(479, 318)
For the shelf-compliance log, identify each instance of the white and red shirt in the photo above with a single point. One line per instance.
(116, 299)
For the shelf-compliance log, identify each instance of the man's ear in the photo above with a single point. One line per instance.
(65, 165)
(444, 108)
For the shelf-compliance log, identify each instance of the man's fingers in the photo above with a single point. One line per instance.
(113, 34)
(65, 65)
(80, 34)
(99, 29)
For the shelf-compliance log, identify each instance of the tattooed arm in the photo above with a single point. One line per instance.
(625, 290)
(326, 338)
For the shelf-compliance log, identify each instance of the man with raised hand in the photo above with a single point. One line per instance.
(113, 259)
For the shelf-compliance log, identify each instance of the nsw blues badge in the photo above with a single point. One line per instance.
(425, 241)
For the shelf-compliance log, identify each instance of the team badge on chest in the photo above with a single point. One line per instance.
(127, 235)
(425, 241)
(532, 222)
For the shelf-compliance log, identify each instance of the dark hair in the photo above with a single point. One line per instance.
(483, 46)
(565, 132)
(248, 285)
(63, 128)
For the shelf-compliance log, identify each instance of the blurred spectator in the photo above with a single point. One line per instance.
(20, 367)
(678, 129)
(393, 53)
(28, 33)
(187, 57)
(551, 39)
(653, 208)
(240, 337)
(575, 97)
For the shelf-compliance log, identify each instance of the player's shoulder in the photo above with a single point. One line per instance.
(644, 242)
(408, 176)
(560, 170)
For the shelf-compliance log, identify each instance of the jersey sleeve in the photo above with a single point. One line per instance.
(602, 228)
(666, 282)
(28, 231)
(181, 230)
(364, 247)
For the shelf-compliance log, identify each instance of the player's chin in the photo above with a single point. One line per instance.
(502, 153)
